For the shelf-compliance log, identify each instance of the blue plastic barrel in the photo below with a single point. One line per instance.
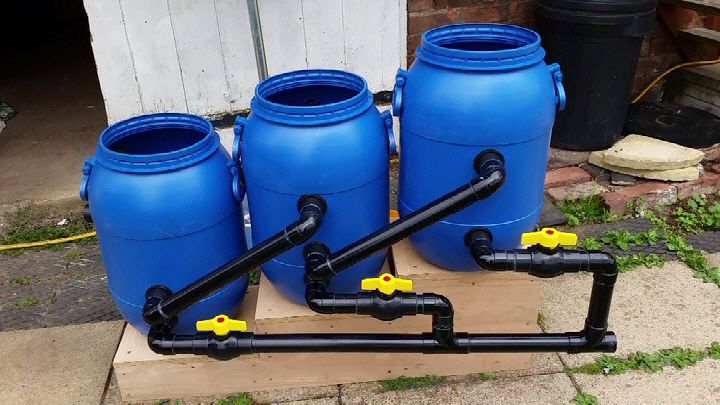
(475, 87)
(164, 196)
(316, 132)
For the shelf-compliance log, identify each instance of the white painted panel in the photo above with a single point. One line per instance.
(363, 38)
(324, 34)
(113, 59)
(392, 37)
(150, 35)
(238, 51)
(283, 34)
(200, 55)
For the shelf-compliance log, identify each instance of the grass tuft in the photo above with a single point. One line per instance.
(406, 383)
(586, 210)
(240, 399)
(26, 302)
(16, 282)
(584, 398)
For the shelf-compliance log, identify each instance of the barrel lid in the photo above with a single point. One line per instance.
(601, 6)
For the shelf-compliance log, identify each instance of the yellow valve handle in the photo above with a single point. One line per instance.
(387, 284)
(221, 325)
(549, 238)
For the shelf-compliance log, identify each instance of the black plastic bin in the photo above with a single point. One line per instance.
(597, 44)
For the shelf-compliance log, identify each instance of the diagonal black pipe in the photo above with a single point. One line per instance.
(162, 305)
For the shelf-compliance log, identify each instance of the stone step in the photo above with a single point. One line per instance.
(702, 6)
(702, 35)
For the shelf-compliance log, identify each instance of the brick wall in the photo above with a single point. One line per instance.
(658, 50)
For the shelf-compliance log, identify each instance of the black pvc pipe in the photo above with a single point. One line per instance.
(550, 262)
(162, 306)
(481, 187)
(239, 343)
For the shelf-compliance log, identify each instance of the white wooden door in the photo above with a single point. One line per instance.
(197, 55)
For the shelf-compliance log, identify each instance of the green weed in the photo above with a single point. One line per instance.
(698, 215)
(26, 302)
(241, 399)
(541, 320)
(586, 210)
(486, 376)
(20, 281)
(677, 357)
(404, 383)
(627, 263)
(624, 240)
(74, 255)
(584, 398)
(591, 243)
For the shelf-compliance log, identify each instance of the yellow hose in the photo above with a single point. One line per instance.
(48, 242)
(667, 72)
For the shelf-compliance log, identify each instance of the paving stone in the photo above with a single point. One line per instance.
(652, 309)
(712, 153)
(697, 384)
(651, 192)
(645, 153)
(575, 190)
(566, 176)
(536, 389)
(551, 215)
(619, 179)
(597, 172)
(688, 173)
(66, 364)
(562, 158)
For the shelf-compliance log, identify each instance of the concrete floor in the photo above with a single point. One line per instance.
(54, 89)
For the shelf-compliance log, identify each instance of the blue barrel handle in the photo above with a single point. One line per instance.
(238, 129)
(560, 98)
(238, 188)
(388, 122)
(400, 79)
(86, 170)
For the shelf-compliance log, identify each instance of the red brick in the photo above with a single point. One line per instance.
(651, 192)
(414, 6)
(417, 24)
(566, 176)
(521, 10)
(474, 14)
(707, 184)
(715, 168)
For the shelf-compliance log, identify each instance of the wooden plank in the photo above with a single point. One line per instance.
(363, 38)
(200, 55)
(323, 25)
(702, 35)
(238, 51)
(150, 37)
(703, 6)
(113, 59)
(283, 35)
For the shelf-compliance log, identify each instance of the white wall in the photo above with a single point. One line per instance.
(197, 55)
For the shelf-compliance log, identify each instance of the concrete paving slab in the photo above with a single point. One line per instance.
(652, 309)
(67, 364)
(699, 384)
(539, 389)
(598, 158)
(645, 153)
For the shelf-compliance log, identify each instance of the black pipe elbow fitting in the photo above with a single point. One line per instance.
(152, 312)
(311, 208)
(488, 161)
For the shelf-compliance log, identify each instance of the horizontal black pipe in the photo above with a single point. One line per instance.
(161, 306)
(490, 179)
(239, 343)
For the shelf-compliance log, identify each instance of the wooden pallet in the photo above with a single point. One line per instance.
(483, 301)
